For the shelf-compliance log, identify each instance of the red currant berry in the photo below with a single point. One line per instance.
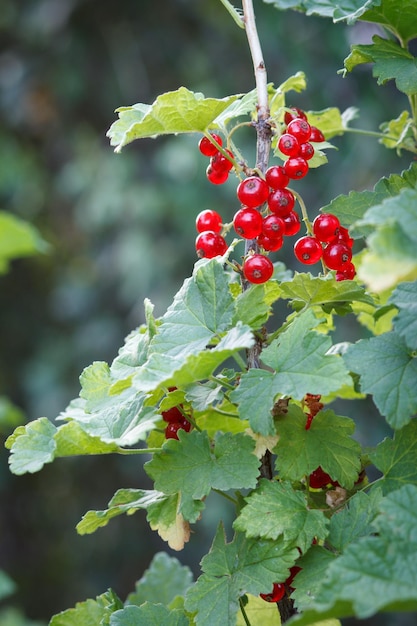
(221, 163)
(293, 573)
(208, 220)
(185, 424)
(292, 224)
(252, 191)
(344, 237)
(273, 226)
(336, 255)
(257, 268)
(277, 593)
(276, 178)
(326, 227)
(281, 202)
(208, 148)
(171, 431)
(296, 167)
(210, 244)
(319, 479)
(306, 150)
(293, 114)
(269, 244)
(316, 135)
(300, 129)
(288, 145)
(247, 223)
(216, 177)
(347, 272)
(172, 415)
(308, 250)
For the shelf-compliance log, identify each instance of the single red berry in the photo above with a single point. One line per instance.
(171, 431)
(257, 268)
(185, 424)
(319, 479)
(208, 220)
(277, 593)
(270, 244)
(326, 227)
(273, 226)
(292, 224)
(221, 163)
(309, 421)
(210, 244)
(208, 148)
(344, 236)
(276, 178)
(308, 250)
(281, 202)
(252, 191)
(347, 272)
(306, 150)
(172, 415)
(293, 114)
(288, 145)
(336, 255)
(316, 135)
(300, 129)
(216, 177)
(247, 223)
(296, 167)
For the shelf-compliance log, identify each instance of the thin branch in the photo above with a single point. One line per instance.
(257, 58)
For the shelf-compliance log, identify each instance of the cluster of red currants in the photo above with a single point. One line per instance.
(219, 167)
(279, 590)
(175, 420)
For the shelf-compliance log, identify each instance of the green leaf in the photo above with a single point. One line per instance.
(10, 415)
(354, 521)
(386, 580)
(180, 111)
(314, 566)
(301, 363)
(17, 239)
(149, 615)
(388, 371)
(396, 458)
(327, 443)
(32, 446)
(391, 61)
(259, 612)
(163, 516)
(399, 18)
(405, 299)
(276, 510)
(192, 467)
(349, 10)
(232, 569)
(308, 290)
(90, 612)
(399, 133)
(165, 579)
(331, 121)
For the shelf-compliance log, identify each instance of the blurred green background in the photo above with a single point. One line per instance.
(121, 228)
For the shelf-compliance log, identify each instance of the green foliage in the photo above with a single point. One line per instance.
(17, 239)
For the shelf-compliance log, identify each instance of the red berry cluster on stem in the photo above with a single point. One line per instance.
(175, 420)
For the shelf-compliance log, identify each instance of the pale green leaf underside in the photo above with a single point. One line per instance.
(349, 10)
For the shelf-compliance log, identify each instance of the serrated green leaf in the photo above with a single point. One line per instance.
(327, 443)
(132, 354)
(391, 62)
(165, 579)
(149, 615)
(355, 520)
(276, 96)
(405, 299)
(180, 111)
(192, 467)
(163, 516)
(32, 446)
(17, 239)
(386, 580)
(253, 306)
(388, 371)
(349, 10)
(307, 290)
(89, 613)
(331, 121)
(232, 569)
(399, 133)
(314, 566)
(396, 458)
(397, 17)
(276, 510)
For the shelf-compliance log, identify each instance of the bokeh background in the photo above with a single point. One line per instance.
(121, 228)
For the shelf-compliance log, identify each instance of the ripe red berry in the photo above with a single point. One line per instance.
(288, 145)
(252, 191)
(306, 150)
(293, 573)
(336, 255)
(210, 244)
(273, 226)
(276, 178)
(344, 237)
(171, 431)
(217, 177)
(247, 223)
(270, 244)
(172, 415)
(257, 268)
(316, 135)
(326, 227)
(277, 593)
(208, 148)
(208, 220)
(292, 223)
(347, 272)
(319, 479)
(308, 250)
(293, 114)
(281, 202)
(296, 167)
(221, 163)
(300, 129)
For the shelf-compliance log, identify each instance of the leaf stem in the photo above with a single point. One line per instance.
(245, 617)
(222, 383)
(233, 12)
(239, 360)
(226, 495)
(127, 451)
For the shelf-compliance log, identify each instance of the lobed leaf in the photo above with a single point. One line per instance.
(396, 458)
(17, 239)
(89, 613)
(405, 299)
(349, 10)
(148, 615)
